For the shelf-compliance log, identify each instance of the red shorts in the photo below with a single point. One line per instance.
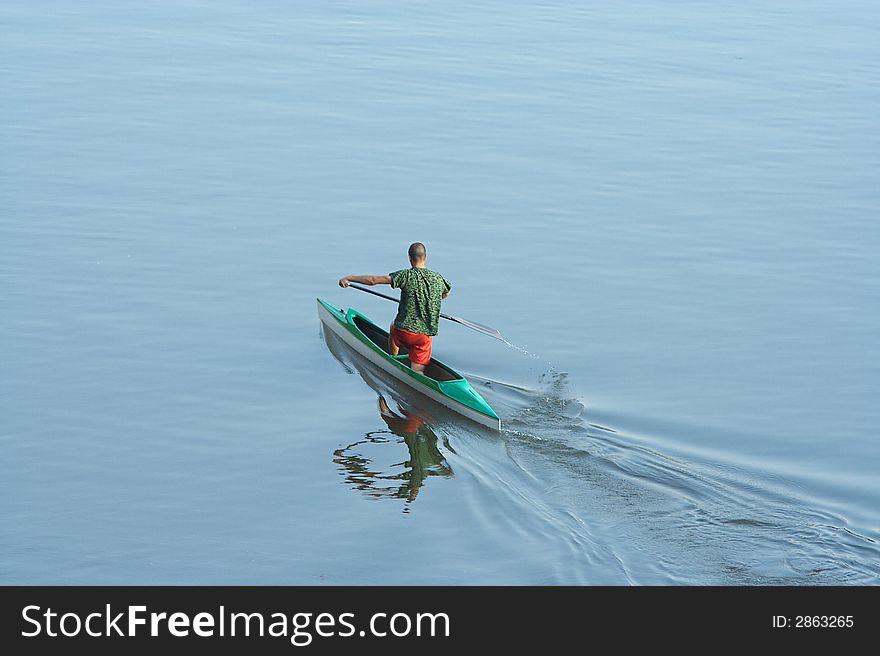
(407, 424)
(419, 345)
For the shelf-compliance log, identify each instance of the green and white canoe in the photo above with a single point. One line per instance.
(439, 382)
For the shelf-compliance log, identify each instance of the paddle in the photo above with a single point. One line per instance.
(480, 328)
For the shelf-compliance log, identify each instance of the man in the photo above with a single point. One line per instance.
(421, 291)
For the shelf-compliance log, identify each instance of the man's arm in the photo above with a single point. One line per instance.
(365, 280)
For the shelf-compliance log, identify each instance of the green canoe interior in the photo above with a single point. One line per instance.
(379, 337)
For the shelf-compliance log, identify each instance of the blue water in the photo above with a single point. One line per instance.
(672, 208)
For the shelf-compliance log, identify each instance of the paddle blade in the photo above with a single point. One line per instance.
(473, 325)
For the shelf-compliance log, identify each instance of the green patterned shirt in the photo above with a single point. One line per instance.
(421, 291)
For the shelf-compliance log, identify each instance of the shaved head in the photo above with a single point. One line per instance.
(417, 252)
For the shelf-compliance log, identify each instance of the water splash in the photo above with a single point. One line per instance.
(521, 349)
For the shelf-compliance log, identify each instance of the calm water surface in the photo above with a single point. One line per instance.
(671, 209)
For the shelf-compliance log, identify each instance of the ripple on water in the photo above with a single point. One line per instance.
(596, 502)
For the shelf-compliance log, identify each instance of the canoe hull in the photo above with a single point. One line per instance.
(341, 325)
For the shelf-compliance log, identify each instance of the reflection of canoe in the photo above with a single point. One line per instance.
(439, 382)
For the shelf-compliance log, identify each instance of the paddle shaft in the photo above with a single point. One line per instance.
(390, 298)
(370, 291)
(486, 330)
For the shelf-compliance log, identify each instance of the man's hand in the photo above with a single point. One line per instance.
(343, 282)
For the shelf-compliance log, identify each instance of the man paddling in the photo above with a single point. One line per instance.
(421, 291)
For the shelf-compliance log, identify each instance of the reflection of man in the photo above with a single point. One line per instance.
(425, 458)
(399, 425)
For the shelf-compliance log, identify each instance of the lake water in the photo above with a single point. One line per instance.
(670, 208)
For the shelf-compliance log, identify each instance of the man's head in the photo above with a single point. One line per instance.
(417, 253)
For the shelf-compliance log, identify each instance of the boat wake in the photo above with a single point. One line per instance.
(580, 499)
(692, 519)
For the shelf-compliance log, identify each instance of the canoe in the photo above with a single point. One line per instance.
(440, 382)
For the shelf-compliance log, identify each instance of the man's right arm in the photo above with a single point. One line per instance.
(365, 280)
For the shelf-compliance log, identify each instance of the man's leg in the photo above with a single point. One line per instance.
(393, 349)
(384, 409)
(424, 352)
